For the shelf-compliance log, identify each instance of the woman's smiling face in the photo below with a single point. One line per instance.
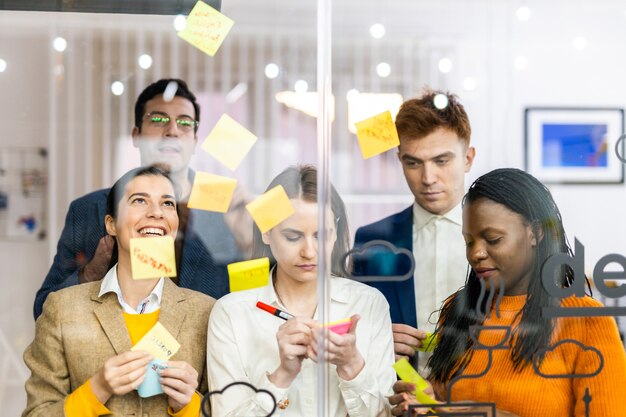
(147, 209)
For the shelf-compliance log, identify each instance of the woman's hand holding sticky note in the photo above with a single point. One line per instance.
(406, 373)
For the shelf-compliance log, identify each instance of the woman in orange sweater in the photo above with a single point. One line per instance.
(496, 344)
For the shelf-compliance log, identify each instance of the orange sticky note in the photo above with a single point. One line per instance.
(377, 134)
(158, 342)
(152, 257)
(229, 142)
(249, 274)
(270, 208)
(211, 192)
(206, 28)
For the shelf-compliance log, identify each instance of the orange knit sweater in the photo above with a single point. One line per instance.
(529, 394)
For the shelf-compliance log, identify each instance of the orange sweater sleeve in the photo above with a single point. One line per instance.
(604, 393)
(84, 403)
(190, 410)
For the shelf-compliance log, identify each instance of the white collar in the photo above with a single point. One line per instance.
(110, 283)
(421, 217)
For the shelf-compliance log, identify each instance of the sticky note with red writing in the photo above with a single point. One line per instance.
(211, 192)
(249, 274)
(158, 342)
(270, 208)
(229, 142)
(152, 257)
(377, 134)
(340, 326)
(206, 28)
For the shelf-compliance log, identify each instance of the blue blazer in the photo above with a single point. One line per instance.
(208, 247)
(398, 230)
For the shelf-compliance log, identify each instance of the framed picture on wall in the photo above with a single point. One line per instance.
(575, 145)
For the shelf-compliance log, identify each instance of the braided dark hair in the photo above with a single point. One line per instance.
(525, 195)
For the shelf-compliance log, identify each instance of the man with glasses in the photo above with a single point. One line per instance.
(166, 123)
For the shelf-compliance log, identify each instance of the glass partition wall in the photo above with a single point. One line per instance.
(540, 82)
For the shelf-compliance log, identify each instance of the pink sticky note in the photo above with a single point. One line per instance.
(341, 326)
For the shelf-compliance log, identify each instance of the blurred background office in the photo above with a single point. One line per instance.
(68, 82)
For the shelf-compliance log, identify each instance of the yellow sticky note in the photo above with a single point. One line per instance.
(249, 274)
(229, 142)
(408, 374)
(270, 208)
(429, 343)
(152, 257)
(206, 28)
(377, 134)
(211, 192)
(158, 342)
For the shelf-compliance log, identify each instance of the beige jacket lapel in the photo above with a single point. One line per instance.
(110, 315)
(172, 316)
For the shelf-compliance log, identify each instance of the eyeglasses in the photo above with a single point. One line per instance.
(158, 120)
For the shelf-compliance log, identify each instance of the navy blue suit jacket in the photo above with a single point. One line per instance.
(208, 247)
(398, 230)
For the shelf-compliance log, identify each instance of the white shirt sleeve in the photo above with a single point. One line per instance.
(366, 394)
(224, 366)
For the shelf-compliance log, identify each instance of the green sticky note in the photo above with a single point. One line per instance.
(429, 344)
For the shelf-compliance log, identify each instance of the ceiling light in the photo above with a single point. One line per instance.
(117, 88)
(59, 44)
(445, 65)
(377, 30)
(272, 70)
(383, 70)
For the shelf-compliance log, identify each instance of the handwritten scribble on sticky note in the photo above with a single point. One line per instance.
(377, 134)
(152, 257)
(229, 142)
(206, 28)
(249, 274)
(270, 208)
(158, 342)
(211, 192)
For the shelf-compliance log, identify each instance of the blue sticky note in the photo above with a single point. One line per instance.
(150, 385)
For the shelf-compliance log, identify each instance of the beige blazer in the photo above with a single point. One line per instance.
(78, 331)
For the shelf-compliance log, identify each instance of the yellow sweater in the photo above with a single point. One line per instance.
(83, 402)
(529, 394)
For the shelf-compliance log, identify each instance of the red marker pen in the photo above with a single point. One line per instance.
(273, 310)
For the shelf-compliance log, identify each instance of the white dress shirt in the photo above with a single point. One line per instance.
(440, 263)
(242, 346)
(149, 304)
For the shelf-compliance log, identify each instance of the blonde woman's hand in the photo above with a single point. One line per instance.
(341, 350)
(293, 338)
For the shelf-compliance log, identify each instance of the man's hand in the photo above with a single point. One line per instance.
(98, 266)
(405, 339)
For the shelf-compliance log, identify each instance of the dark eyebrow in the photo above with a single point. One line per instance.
(162, 113)
(148, 195)
(444, 155)
(138, 194)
